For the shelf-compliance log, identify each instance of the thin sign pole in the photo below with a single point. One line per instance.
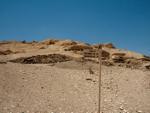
(99, 87)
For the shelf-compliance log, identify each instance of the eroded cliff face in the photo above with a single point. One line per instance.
(111, 55)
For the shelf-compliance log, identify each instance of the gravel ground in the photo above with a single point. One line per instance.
(69, 87)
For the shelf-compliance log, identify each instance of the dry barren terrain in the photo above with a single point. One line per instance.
(53, 76)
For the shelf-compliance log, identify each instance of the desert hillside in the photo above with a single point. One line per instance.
(54, 76)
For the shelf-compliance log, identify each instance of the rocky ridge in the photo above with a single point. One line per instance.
(110, 54)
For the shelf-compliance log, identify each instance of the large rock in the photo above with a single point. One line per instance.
(133, 63)
(109, 45)
(145, 58)
(147, 65)
(105, 54)
(7, 52)
(49, 42)
(118, 57)
(79, 47)
(66, 43)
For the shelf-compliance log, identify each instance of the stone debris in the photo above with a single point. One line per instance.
(105, 54)
(78, 47)
(49, 42)
(6, 52)
(121, 108)
(107, 63)
(139, 111)
(147, 65)
(42, 59)
(42, 47)
(88, 79)
(145, 58)
(90, 70)
(2, 62)
(125, 111)
(109, 45)
(118, 57)
(73, 76)
(111, 56)
(67, 43)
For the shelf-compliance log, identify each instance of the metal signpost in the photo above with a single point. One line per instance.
(100, 63)
(96, 54)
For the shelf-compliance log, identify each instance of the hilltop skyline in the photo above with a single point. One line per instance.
(124, 23)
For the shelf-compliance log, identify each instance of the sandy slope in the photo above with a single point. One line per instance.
(41, 88)
(68, 86)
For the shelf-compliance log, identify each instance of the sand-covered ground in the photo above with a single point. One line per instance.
(68, 87)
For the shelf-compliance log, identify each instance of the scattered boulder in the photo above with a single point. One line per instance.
(7, 52)
(2, 53)
(147, 65)
(42, 59)
(78, 48)
(97, 46)
(145, 58)
(88, 79)
(121, 108)
(132, 63)
(34, 41)
(49, 42)
(139, 111)
(2, 62)
(90, 70)
(105, 54)
(23, 41)
(66, 43)
(42, 47)
(109, 45)
(119, 54)
(107, 63)
(4, 42)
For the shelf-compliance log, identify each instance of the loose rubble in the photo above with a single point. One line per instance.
(42, 59)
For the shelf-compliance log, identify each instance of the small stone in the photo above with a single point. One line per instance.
(13, 106)
(27, 111)
(147, 65)
(125, 111)
(139, 111)
(107, 100)
(121, 108)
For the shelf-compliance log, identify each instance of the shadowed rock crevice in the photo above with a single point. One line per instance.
(42, 59)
